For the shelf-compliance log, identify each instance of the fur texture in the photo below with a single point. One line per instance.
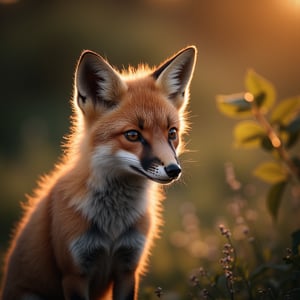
(87, 232)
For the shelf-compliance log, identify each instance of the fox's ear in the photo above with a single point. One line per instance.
(96, 82)
(175, 74)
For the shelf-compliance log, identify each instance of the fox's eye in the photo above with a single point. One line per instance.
(172, 134)
(132, 135)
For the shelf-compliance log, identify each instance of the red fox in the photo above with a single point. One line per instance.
(87, 232)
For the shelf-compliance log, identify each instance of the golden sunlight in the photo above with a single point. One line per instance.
(296, 3)
(248, 97)
(291, 4)
(276, 142)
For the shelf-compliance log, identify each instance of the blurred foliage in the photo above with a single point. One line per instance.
(276, 133)
(40, 43)
(275, 129)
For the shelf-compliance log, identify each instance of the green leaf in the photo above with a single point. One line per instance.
(292, 132)
(294, 126)
(271, 172)
(234, 105)
(292, 140)
(296, 242)
(248, 134)
(286, 110)
(274, 198)
(262, 90)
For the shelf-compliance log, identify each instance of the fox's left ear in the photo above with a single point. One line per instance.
(175, 74)
(97, 84)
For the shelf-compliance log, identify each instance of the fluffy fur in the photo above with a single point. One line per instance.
(87, 232)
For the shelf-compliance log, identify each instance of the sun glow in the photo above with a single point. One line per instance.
(292, 4)
(248, 97)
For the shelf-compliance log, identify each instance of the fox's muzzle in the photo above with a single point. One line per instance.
(173, 171)
(156, 170)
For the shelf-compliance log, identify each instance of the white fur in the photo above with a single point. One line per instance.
(111, 83)
(114, 199)
(156, 172)
(113, 204)
(172, 80)
(175, 78)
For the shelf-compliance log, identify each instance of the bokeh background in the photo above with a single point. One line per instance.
(40, 42)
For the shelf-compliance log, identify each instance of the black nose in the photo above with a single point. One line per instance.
(173, 170)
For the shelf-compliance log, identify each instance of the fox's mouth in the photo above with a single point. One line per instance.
(162, 180)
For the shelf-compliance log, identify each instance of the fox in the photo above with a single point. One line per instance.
(87, 231)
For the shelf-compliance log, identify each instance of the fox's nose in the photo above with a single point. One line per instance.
(173, 170)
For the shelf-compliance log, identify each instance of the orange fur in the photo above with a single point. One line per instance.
(88, 230)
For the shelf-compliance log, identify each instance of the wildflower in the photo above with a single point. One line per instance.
(231, 180)
(288, 258)
(158, 292)
(224, 231)
(202, 272)
(194, 280)
(205, 294)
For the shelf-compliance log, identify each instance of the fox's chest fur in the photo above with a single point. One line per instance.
(118, 205)
(113, 212)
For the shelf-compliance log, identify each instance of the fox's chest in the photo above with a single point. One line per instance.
(114, 235)
(116, 207)
(95, 249)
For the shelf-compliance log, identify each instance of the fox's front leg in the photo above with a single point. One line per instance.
(75, 287)
(126, 261)
(125, 287)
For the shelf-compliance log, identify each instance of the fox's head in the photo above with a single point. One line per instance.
(131, 123)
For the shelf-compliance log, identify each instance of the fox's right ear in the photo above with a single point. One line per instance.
(175, 74)
(96, 83)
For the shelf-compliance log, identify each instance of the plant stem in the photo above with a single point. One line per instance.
(275, 140)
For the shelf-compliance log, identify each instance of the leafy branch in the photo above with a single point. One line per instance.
(273, 127)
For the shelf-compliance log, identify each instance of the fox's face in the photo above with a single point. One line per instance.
(133, 123)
